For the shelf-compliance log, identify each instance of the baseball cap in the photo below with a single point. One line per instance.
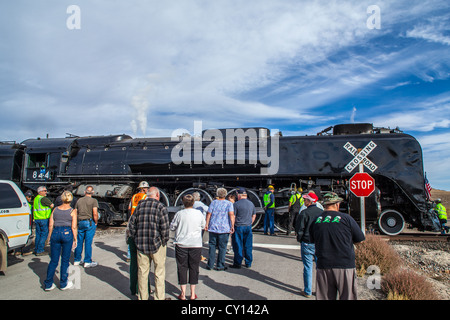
(331, 198)
(311, 197)
(241, 190)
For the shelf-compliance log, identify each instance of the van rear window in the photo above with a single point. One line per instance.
(8, 197)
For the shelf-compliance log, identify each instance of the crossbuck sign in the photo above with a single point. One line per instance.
(360, 157)
(360, 160)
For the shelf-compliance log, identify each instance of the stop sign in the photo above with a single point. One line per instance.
(362, 184)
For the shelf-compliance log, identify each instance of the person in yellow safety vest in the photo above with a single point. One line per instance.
(442, 215)
(269, 207)
(42, 209)
(132, 250)
(295, 203)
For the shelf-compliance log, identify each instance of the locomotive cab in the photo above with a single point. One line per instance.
(45, 159)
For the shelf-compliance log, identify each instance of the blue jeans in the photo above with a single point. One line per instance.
(41, 234)
(269, 220)
(60, 246)
(308, 251)
(444, 228)
(219, 241)
(86, 233)
(242, 240)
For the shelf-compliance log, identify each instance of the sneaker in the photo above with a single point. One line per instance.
(90, 265)
(77, 263)
(221, 269)
(68, 286)
(303, 293)
(51, 288)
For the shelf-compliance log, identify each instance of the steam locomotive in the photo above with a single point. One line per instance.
(230, 158)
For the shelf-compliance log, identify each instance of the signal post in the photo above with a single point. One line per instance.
(362, 184)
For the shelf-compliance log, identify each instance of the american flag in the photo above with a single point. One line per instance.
(427, 188)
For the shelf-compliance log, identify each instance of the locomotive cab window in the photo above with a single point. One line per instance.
(36, 160)
(42, 166)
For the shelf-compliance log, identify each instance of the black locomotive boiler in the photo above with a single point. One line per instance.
(248, 157)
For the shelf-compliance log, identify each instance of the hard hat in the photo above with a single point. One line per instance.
(438, 200)
(271, 187)
(300, 189)
(143, 184)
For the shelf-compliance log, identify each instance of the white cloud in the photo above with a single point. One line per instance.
(204, 54)
(436, 154)
(397, 85)
(421, 114)
(432, 31)
(149, 67)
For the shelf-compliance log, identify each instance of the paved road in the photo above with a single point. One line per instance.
(276, 274)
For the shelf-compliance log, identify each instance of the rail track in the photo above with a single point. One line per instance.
(418, 237)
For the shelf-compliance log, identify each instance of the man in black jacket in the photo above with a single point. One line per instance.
(303, 225)
(334, 234)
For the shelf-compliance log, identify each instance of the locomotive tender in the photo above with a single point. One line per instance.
(115, 164)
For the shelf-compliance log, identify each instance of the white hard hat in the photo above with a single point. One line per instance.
(143, 184)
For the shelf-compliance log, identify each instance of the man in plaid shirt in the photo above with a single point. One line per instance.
(149, 226)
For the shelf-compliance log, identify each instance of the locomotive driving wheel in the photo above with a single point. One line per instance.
(281, 218)
(205, 197)
(164, 198)
(253, 197)
(391, 222)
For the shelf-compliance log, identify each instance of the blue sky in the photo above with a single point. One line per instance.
(146, 68)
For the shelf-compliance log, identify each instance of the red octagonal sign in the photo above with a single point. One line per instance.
(362, 184)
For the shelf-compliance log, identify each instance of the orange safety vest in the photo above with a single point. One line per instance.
(135, 200)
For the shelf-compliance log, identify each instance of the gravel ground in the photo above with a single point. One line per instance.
(431, 259)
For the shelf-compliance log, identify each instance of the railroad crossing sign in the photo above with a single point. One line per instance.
(360, 157)
(362, 184)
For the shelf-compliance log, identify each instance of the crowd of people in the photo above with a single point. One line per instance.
(68, 225)
(326, 236)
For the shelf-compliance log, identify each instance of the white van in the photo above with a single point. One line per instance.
(15, 220)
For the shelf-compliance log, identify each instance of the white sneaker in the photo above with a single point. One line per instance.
(68, 286)
(77, 263)
(90, 265)
(51, 288)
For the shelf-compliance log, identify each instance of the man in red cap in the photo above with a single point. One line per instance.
(302, 228)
